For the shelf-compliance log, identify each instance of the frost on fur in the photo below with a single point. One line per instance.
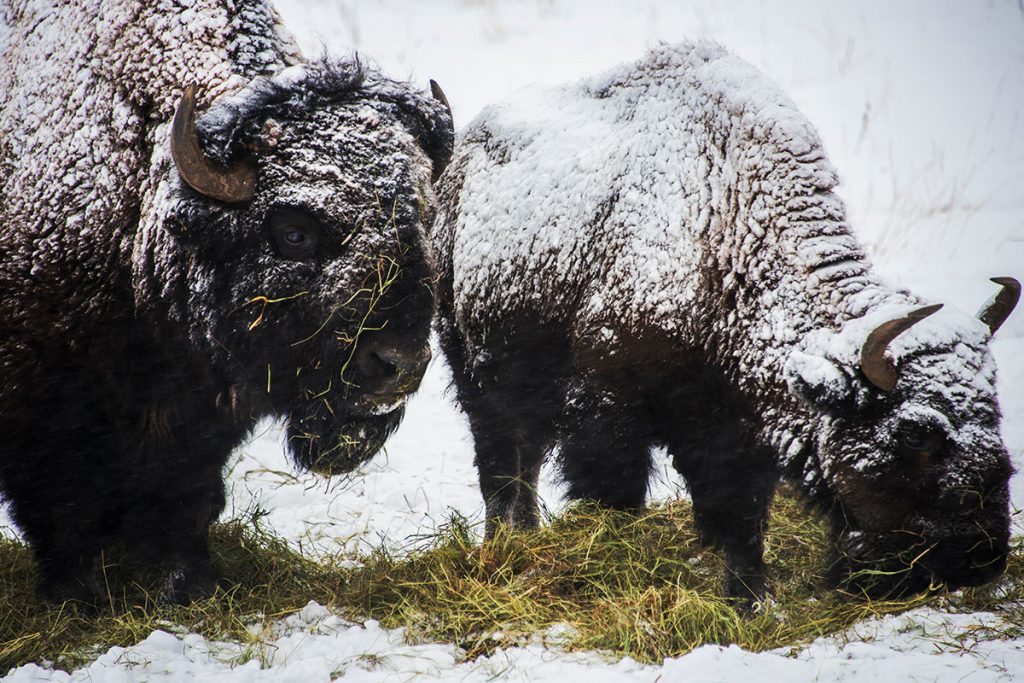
(656, 257)
(150, 324)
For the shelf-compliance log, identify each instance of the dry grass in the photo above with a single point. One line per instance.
(638, 586)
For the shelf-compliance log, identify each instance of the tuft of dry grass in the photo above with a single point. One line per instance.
(590, 579)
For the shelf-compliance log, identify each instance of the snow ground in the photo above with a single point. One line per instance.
(921, 106)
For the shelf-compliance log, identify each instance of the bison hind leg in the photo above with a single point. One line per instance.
(604, 450)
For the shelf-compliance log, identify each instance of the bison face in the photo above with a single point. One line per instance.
(917, 474)
(313, 297)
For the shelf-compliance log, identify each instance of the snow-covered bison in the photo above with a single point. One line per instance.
(656, 257)
(165, 285)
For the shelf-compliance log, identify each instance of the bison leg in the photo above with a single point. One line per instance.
(67, 574)
(171, 537)
(508, 481)
(60, 510)
(65, 550)
(605, 455)
(510, 445)
(511, 399)
(65, 546)
(165, 529)
(731, 487)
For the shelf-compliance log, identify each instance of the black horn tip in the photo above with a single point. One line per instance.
(999, 308)
(924, 312)
(1007, 281)
(435, 90)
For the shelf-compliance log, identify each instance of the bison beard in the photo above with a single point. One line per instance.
(265, 256)
(655, 257)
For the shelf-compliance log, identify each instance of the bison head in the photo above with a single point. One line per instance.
(909, 454)
(287, 240)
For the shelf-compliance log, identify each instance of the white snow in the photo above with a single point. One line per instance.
(920, 106)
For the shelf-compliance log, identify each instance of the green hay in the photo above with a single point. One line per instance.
(590, 579)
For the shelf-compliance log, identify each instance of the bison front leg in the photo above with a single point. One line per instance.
(170, 538)
(510, 449)
(68, 574)
(731, 484)
(60, 508)
(173, 491)
(508, 483)
(511, 401)
(167, 531)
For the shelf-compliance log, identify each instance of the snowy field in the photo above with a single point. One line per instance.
(921, 106)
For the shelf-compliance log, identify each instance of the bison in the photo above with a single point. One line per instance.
(171, 277)
(655, 257)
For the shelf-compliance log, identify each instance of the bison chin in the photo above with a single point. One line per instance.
(898, 564)
(324, 444)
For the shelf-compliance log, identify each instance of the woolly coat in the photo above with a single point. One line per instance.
(86, 85)
(673, 225)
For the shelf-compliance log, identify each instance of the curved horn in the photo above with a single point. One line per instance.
(438, 94)
(442, 149)
(879, 370)
(236, 183)
(999, 308)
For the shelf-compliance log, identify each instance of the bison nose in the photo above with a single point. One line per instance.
(391, 370)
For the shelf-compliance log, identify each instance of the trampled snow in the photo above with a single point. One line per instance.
(920, 107)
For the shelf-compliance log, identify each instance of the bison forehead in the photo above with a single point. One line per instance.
(361, 131)
(345, 169)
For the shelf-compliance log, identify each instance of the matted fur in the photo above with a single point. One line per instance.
(656, 257)
(148, 327)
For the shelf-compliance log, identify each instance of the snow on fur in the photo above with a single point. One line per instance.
(685, 197)
(149, 327)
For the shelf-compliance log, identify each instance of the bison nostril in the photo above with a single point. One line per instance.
(387, 366)
(389, 370)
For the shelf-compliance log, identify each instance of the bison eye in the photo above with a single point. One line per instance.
(914, 441)
(918, 440)
(296, 233)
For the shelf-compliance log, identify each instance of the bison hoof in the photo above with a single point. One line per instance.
(183, 587)
(83, 594)
(748, 594)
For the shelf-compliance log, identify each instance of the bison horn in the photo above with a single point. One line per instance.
(236, 183)
(879, 370)
(996, 311)
(439, 95)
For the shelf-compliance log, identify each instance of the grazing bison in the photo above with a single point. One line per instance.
(166, 286)
(656, 257)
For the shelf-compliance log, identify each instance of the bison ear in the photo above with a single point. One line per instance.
(819, 382)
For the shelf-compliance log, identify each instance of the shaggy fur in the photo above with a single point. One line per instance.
(148, 327)
(656, 257)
